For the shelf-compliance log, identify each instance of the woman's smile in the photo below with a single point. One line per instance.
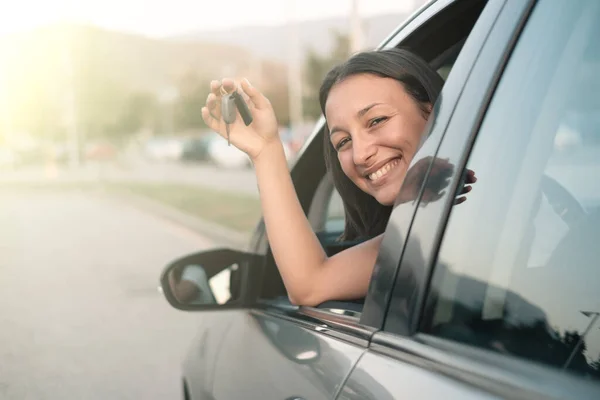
(377, 176)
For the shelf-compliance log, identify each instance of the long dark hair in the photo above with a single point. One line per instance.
(365, 216)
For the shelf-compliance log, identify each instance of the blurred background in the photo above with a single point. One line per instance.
(107, 171)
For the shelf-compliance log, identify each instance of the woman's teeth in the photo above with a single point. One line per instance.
(383, 170)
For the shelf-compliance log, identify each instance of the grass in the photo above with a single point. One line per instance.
(236, 211)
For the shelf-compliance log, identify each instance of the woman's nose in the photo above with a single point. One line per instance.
(363, 149)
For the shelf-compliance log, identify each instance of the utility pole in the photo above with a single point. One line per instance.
(256, 73)
(294, 68)
(5, 129)
(356, 29)
(70, 104)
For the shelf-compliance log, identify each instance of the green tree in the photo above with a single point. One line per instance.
(316, 67)
(193, 88)
(140, 111)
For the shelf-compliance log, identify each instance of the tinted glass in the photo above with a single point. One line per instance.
(518, 269)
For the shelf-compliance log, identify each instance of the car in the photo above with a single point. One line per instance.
(163, 149)
(497, 297)
(228, 156)
(195, 148)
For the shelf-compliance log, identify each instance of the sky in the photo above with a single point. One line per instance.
(162, 18)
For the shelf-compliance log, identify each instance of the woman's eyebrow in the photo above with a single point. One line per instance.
(334, 129)
(360, 114)
(363, 111)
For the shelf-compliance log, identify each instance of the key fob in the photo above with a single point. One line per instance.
(242, 107)
(228, 109)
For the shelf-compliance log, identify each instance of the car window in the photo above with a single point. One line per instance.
(518, 270)
(335, 217)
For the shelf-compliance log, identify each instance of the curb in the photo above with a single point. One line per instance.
(220, 235)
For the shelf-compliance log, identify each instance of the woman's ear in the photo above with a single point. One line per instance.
(429, 108)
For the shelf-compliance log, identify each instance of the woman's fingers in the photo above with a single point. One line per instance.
(210, 121)
(213, 101)
(466, 189)
(214, 106)
(228, 85)
(248, 100)
(215, 87)
(259, 100)
(460, 200)
(471, 178)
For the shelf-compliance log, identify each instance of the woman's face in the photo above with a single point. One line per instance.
(376, 128)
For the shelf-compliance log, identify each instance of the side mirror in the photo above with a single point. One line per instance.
(213, 279)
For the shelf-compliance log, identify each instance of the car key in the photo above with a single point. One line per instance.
(242, 107)
(228, 111)
(229, 104)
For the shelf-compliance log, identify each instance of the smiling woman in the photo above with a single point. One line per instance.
(376, 105)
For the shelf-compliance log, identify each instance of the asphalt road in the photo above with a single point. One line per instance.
(80, 314)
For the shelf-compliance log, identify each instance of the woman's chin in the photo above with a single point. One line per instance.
(387, 196)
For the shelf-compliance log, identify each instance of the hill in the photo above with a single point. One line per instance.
(272, 42)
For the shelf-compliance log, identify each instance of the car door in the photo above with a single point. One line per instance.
(277, 351)
(498, 296)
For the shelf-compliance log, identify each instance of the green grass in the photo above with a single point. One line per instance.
(236, 211)
(233, 210)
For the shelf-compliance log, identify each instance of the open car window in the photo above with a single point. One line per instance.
(439, 41)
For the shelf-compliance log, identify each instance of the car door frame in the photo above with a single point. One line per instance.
(505, 376)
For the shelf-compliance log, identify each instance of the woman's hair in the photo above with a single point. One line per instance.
(365, 216)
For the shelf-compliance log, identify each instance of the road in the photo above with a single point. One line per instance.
(80, 314)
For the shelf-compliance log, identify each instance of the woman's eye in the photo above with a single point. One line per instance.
(377, 121)
(341, 143)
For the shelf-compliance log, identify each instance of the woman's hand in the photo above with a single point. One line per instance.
(469, 180)
(251, 139)
(438, 180)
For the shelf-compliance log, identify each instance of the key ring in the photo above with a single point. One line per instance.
(223, 91)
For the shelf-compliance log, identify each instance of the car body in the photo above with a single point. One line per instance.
(163, 149)
(226, 156)
(497, 297)
(195, 148)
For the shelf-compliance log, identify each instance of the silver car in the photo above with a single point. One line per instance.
(496, 298)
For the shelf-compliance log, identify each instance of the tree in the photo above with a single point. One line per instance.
(140, 112)
(193, 89)
(315, 69)
(275, 87)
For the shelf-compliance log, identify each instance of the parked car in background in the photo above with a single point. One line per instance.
(163, 149)
(100, 151)
(498, 297)
(196, 148)
(226, 156)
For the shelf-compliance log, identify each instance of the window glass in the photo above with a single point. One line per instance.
(335, 218)
(518, 270)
